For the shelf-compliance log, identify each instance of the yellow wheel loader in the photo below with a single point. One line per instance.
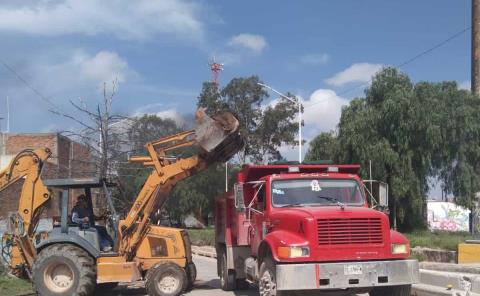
(69, 260)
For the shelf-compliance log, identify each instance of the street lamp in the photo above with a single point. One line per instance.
(299, 105)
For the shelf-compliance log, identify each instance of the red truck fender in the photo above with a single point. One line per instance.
(279, 238)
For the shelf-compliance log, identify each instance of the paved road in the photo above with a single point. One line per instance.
(207, 283)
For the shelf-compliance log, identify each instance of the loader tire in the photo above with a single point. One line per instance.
(403, 290)
(191, 275)
(166, 279)
(64, 270)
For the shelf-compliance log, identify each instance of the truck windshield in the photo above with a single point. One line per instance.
(316, 192)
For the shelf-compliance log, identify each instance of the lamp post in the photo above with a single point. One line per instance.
(299, 105)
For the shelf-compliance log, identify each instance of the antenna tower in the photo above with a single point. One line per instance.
(216, 68)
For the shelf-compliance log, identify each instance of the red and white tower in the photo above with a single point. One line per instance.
(216, 68)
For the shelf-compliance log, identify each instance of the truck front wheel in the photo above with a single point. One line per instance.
(403, 290)
(227, 277)
(267, 282)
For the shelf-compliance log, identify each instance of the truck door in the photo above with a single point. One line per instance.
(257, 218)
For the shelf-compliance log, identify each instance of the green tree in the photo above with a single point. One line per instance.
(264, 128)
(323, 147)
(194, 195)
(411, 133)
(132, 176)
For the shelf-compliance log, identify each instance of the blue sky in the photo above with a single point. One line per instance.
(159, 50)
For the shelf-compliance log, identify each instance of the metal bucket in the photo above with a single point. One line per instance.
(218, 136)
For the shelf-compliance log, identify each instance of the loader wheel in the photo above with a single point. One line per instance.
(166, 279)
(64, 270)
(191, 275)
(227, 277)
(403, 290)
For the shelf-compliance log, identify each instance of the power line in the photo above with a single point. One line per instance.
(25, 82)
(404, 63)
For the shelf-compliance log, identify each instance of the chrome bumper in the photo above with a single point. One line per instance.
(346, 274)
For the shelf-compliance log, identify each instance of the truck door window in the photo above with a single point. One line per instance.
(260, 205)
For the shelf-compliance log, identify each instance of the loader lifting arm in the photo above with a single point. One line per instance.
(218, 140)
(26, 165)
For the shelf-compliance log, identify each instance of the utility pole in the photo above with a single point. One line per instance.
(8, 115)
(475, 47)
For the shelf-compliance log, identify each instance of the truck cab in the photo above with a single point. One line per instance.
(308, 227)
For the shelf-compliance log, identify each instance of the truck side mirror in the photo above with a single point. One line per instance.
(239, 201)
(383, 194)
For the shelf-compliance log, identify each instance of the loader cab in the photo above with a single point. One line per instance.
(88, 235)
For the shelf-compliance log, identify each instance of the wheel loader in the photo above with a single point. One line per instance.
(68, 259)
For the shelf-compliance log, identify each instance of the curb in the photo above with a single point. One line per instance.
(204, 251)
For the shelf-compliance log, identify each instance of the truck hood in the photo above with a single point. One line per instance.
(331, 212)
(335, 234)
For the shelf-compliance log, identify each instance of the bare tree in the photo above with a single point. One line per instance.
(96, 130)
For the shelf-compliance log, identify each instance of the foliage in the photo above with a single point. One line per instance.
(437, 240)
(197, 194)
(410, 133)
(264, 128)
(202, 237)
(193, 195)
(132, 176)
(14, 286)
(323, 147)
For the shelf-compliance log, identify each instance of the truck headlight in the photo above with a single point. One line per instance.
(399, 249)
(293, 252)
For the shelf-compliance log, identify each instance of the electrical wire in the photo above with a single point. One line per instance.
(28, 85)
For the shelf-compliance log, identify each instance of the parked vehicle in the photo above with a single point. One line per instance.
(309, 227)
(69, 260)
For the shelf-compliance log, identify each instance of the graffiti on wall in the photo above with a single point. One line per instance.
(447, 216)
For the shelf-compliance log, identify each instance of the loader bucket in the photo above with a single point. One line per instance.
(218, 135)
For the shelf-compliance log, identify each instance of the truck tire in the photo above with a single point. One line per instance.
(242, 284)
(64, 270)
(267, 282)
(403, 290)
(227, 277)
(166, 279)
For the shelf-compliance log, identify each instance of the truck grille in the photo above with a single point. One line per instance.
(349, 231)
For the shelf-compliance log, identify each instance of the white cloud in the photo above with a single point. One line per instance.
(465, 85)
(82, 70)
(322, 112)
(315, 59)
(254, 43)
(105, 66)
(170, 113)
(129, 20)
(361, 72)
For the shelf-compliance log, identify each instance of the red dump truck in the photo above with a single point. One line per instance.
(309, 227)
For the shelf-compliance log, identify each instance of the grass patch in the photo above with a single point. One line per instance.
(437, 240)
(202, 237)
(14, 286)
(422, 238)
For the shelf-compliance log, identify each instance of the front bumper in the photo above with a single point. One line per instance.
(346, 275)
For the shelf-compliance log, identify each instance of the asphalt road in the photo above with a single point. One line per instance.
(207, 283)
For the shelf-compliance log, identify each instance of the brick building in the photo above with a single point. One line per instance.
(69, 160)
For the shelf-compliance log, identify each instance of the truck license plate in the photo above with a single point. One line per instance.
(352, 269)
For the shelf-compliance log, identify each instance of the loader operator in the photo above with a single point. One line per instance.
(80, 217)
